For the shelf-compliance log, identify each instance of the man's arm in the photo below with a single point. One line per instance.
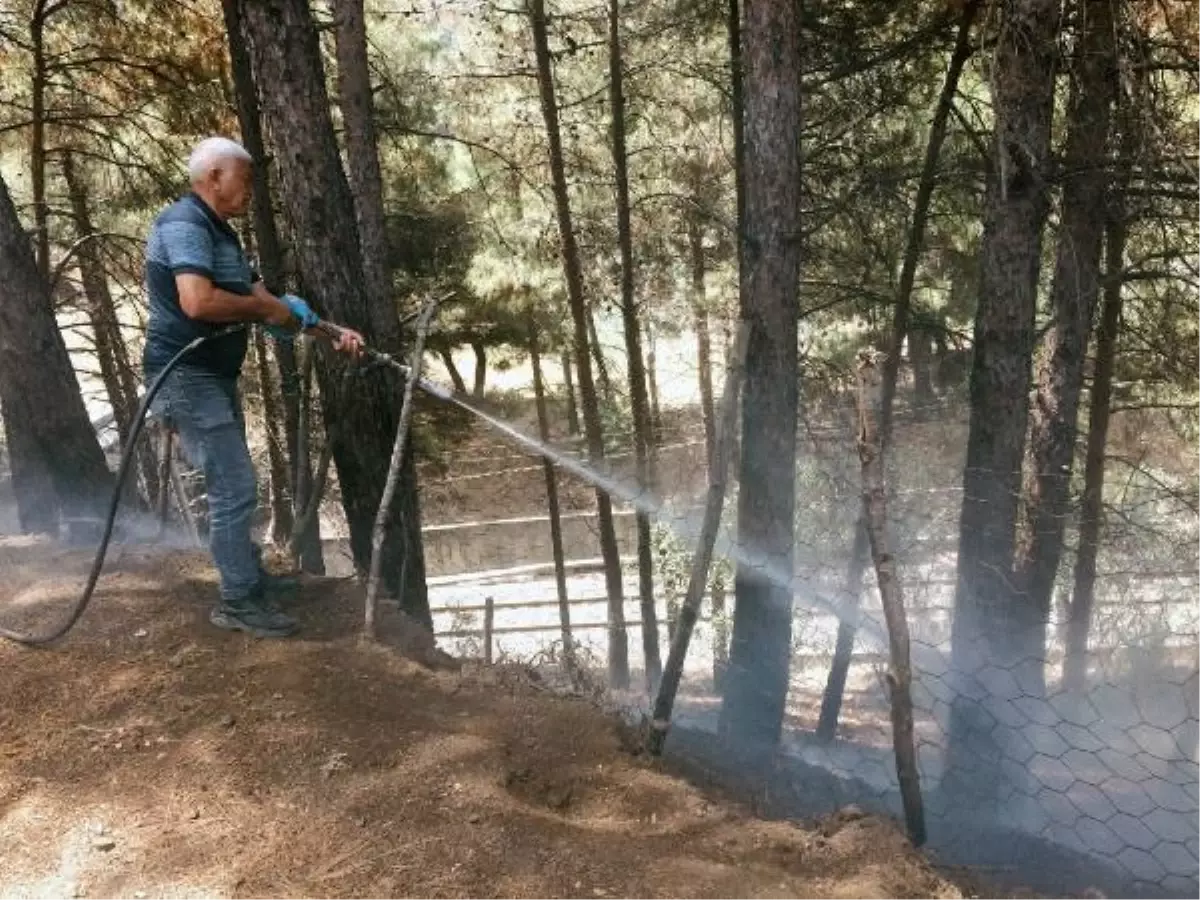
(344, 340)
(200, 299)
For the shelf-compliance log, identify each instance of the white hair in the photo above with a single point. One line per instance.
(211, 152)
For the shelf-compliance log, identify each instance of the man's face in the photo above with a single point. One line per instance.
(231, 186)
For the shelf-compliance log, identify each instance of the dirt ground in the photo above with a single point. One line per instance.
(149, 754)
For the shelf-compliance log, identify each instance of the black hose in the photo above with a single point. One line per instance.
(139, 420)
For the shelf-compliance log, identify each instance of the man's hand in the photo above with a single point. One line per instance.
(348, 341)
(301, 311)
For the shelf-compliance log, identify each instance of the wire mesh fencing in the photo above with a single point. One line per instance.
(1054, 787)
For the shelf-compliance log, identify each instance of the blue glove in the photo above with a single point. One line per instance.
(302, 311)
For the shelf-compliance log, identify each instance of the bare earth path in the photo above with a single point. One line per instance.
(151, 755)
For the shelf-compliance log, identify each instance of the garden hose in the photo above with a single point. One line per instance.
(127, 455)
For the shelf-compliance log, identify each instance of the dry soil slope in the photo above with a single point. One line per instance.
(150, 754)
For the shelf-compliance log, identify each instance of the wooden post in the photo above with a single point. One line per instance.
(899, 676)
(698, 577)
(383, 517)
(489, 617)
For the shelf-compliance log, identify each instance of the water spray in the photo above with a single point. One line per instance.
(634, 494)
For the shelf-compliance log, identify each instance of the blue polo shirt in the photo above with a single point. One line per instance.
(189, 237)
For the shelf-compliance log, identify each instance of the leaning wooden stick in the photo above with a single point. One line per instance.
(164, 479)
(698, 578)
(383, 517)
(899, 676)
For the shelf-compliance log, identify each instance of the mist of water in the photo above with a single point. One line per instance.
(684, 524)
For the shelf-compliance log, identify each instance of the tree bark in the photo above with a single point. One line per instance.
(270, 264)
(738, 114)
(1074, 294)
(1091, 514)
(843, 651)
(703, 339)
(556, 540)
(287, 61)
(642, 446)
(700, 318)
(116, 370)
(831, 702)
(480, 369)
(308, 488)
(383, 517)
(916, 233)
(993, 626)
(656, 426)
(714, 505)
(356, 100)
(598, 354)
(569, 386)
(899, 677)
(54, 453)
(757, 683)
(720, 633)
(42, 11)
(282, 518)
(920, 355)
(618, 646)
(456, 378)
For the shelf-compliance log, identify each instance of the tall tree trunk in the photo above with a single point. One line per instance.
(270, 260)
(618, 640)
(282, 518)
(835, 685)
(54, 454)
(357, 102)
(598, 354)
(279, 480)
(556, 540)
(700, 318)
(642, 447)
(920, 354)
(916, 233)
(993, 625)
(656, 425)
(1091, 513)
(287, 62)
(703, 340)
(733, 25)
(116, 371)
(452, 370)
(480, 369)
(356, 99)
(42, 11)
(1076, 287)
(569, 386)
(757, 682)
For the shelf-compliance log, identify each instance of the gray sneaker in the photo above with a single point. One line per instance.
(251, 615)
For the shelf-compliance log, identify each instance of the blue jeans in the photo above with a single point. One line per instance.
(206, 412)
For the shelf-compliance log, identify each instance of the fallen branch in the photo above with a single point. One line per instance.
(383, 517)
(698, 578)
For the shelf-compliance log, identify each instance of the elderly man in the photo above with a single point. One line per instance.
(199, 282)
